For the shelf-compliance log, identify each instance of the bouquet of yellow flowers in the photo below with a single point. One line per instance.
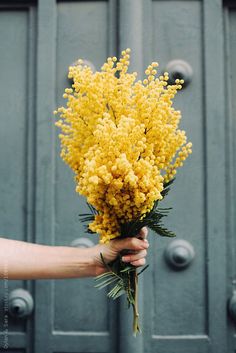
(120, 136)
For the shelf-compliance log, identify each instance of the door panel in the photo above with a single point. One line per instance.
(16, 155)
(76, 38)
(14, 122)
(80, 319)
(182, 305)
(188, 299)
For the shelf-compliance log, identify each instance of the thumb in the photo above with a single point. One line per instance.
(143, 233)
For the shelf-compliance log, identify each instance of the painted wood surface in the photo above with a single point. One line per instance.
(183, 311)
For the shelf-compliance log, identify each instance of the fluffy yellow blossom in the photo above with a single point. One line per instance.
(121, 138)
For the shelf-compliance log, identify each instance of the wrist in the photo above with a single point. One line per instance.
(85, 262)
(98, 266)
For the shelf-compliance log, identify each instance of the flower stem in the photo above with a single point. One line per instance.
(136, 327)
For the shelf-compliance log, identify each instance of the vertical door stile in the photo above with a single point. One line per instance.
(112, 50)
(229, 56)
(230, 170)
(131, 36)
(131, 31)
(215, 173)
(44, 228)
(30, 163)
(113, 28)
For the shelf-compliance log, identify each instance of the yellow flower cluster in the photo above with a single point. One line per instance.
(120, 136)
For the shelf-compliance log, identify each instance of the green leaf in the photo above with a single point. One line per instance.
(103, 275)
(128, 269)
(167, 187)
(104, 263)
(92, 209)
(157, 228)
(139, 273)
(106, 283)
(121, 292)
(115, 289)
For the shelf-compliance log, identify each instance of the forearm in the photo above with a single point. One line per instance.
(22, 260)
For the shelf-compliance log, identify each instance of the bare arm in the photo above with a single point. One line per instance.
(22, 260)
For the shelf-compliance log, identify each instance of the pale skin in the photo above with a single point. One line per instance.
(23, 260)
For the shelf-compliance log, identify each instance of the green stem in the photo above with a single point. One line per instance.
(136, 327)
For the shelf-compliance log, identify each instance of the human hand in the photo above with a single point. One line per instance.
(137, 251)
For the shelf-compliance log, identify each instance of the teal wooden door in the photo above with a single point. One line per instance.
(183, 309)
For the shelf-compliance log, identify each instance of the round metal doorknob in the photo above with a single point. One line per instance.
(232, 306)
(21, 303)
(179, 254)
(82, 243)
(85, 63)
(179, 69)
